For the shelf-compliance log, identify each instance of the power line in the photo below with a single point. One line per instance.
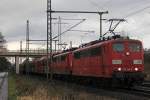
(95, 4)
(70, 28)
(83, 31)
(84, 12)
(137, 11)
(98, 6)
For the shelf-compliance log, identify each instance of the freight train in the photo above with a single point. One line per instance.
(113, 60)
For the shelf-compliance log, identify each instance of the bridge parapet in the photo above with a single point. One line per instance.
(23, 53)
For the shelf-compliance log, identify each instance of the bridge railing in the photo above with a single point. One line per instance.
(36, 51)
(25, 51)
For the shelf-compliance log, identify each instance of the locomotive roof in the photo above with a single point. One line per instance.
(96, 44)
(104, 43)
(63, 53)
(42, 58)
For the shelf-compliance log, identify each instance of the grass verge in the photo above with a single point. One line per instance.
(12, 86)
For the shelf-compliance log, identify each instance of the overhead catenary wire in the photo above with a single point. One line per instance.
(137, 11)
(128, 15)
(70, 19)
(97, 6)
(83, 31)
(69, 28)
(133, 13)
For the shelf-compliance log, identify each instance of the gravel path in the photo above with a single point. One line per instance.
(3, 86)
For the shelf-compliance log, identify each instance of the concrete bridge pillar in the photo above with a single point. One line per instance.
(17, 64)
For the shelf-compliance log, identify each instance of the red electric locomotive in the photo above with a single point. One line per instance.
(41, 65)
(116, 59)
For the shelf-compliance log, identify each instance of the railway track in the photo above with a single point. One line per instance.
(141, 90)
(119, 93)
(146, 84)
(136, 90)
(144, 89)
(135, 93)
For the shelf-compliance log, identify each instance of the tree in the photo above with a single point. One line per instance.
(4, 63)
(2, 43)
(147, 57)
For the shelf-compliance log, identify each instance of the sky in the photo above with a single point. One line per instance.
(13, 16)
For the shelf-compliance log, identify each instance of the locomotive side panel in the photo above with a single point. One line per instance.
(106, 60)
(61, 64)
(69, 63)
(88, 62)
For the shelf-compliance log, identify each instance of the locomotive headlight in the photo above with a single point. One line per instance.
(137, 61)
(116, 61)
(136, 69)
(127, 53)
(119, 69)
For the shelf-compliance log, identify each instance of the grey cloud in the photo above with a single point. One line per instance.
(15, 13)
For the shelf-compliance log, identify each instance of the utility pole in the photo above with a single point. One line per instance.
(59, 31)
(27, 46)
(100, 14)
(49, 40)
(63, 44)
(20, 46)
(70, 44)
(55, 44)
(100, 26)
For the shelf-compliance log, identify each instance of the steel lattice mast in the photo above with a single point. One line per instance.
(49, 40)
(27, 47)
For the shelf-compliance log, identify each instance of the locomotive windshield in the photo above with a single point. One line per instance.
(118, 47)
(134, 47)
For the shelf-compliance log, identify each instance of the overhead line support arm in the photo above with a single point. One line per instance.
(88, 12)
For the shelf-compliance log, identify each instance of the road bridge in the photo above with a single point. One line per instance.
(22, 53)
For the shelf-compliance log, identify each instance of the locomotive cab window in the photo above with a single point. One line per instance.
(77, 55)
(95, 51)
(134, 47)
(85, 53)
(88, 53)
(63, 57)
(118, 47)
(54, 59)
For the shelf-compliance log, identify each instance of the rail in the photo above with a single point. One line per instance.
(141, 90)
